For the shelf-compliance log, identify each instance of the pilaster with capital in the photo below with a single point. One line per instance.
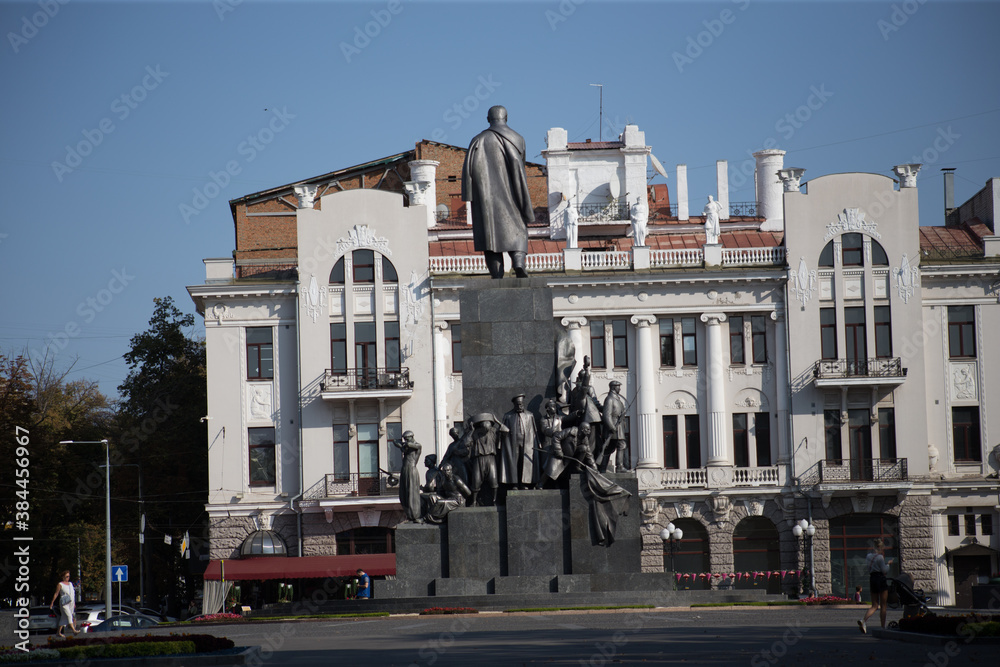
(718, 450)
(646, 399)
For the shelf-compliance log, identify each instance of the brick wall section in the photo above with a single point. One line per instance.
(319, 538)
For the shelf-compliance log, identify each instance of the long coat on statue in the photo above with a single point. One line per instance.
(520, 465)
(495, 183)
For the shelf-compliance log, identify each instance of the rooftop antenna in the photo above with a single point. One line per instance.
(600, 127)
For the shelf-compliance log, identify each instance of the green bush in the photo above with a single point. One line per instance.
(133, 650)
(17, 655)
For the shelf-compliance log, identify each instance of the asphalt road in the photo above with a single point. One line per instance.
(756, 636)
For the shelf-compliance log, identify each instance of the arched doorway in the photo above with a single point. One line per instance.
(690, 556)
(850, 540)
(756, 549)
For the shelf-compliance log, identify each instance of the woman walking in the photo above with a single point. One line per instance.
(877, 569)
(67, 604)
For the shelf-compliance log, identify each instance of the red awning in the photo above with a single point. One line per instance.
(306, 567)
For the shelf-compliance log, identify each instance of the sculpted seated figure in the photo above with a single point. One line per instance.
(444, 493)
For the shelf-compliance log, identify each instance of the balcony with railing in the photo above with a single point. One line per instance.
(845, 471)
(367, 382)
(348, 485)
(614, 210)
(697, 478)
(864, 372)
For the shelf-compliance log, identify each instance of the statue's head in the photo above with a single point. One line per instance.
(447, 470)
(408, 436)
(431, 460)
(518, 402)
(585, 428)
(497, 114)
(550, 407)
(615, 385)
(453, 432)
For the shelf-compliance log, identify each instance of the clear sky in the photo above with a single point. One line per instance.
(116, 115)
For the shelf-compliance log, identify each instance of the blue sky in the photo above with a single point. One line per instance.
(116, 115)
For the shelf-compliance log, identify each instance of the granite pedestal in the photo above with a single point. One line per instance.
(508, 344)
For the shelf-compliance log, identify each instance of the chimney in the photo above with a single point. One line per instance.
(423, 188)
(949, 191)
(682, 192)
(722, 187)
(770, 205)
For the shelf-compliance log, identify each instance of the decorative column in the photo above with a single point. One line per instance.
(782, 383)
(907, 174)
(574, 325)
(718, 450)
(941, 578)
(440, 388)
(646, 396)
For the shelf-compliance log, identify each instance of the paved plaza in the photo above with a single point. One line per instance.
(756, 636)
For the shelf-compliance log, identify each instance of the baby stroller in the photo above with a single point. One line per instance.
(902, 594)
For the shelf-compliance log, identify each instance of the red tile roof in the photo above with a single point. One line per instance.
(948, 239)
(593, 145)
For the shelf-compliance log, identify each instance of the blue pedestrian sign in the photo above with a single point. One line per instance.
(119, 573)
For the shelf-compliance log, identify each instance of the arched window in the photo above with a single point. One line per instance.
(691, 556)
(388, 271)
(337, 274)
(365, 540)
(879, 258)
(826, 257)
(850, 541)
(756, 549)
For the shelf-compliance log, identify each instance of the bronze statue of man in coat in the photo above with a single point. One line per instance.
(495, 183)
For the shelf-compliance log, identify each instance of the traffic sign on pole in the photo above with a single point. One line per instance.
(119, 573)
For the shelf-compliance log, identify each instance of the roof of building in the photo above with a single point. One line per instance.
(949, 242)
(589, 145)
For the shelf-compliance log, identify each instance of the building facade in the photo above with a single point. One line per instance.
(822, 363)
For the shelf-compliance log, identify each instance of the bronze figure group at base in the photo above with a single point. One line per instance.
(518, 451)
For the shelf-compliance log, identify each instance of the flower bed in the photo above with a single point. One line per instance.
(967, 626)
(202, 643)
(825, 599)
(436, 611)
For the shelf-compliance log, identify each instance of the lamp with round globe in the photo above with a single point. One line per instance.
(671, 534)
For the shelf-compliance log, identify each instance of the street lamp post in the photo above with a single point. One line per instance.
(142, 529)
(671, 534)
(805, 528)
(107, 515)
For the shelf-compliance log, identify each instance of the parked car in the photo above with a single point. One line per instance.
(152, 613)
(42, 619)
(90, 615)
(123, 622)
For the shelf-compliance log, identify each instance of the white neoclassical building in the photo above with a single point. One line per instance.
(822, 365)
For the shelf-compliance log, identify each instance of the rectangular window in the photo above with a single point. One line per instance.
(456, 348)
(860, 437)
(828, 332)
(692, 438)
(965, 434)
(689, 342)
(758, 335)
(364, 266)
(854, 330)
(887, 433)
(883, 332)
(831, 430)
(961, 331)
(619, 343)
(341, 452)
(741, 443)
(394, 433)
(667, 342)
(338, 348)
(392, 346)
(365, 353)
(970, 525)
(260, 353)
(762, 437)
(952, 525)
(671, 451)
(853, 249)
(368, 450)
(986, 523)
(262, 458)
(597, 344)
(736, 340)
